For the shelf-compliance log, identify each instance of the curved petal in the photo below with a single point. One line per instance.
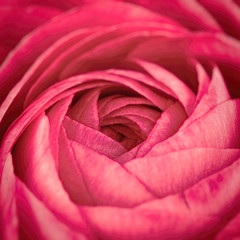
(166, 126)
(230, 23)
(189, 13)
(231, 230)
(218, 128)
(136, 110)
(199, 213)
(56, 115)
(216, 93)
(174, 172)
(33, 161)
(16, 22)
(112, 103)
(92, 139)
(8, 215)
(106, 181)
(37, 221)
(85, 110)
(181, 90)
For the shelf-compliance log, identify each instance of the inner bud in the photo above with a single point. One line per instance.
(118, 112)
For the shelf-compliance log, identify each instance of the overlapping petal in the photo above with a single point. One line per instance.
(119, 122)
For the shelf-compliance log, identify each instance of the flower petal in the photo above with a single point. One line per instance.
(85, 110)
(176, 171)
(92, 139)
(8, 215)
(37, 221)
(33, 161)
(107, 182)
(199, 213)
(216, 93)
(165, 127)
(183, 93)
(218, 128)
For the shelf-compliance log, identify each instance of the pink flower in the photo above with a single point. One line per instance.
(120, 119)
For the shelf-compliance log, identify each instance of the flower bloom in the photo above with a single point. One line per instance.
(120, 120)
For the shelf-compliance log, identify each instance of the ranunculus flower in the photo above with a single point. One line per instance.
(120, 119)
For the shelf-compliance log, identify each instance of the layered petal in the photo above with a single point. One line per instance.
(199, 213)
(33, 161)
(105, 182)
(218, 128)
(173, 172)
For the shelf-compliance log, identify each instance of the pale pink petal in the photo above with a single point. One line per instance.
(56, 115)
(176, 171)
(92, 139)
(217, 195)
(218, 128)
(183, 92)
(166, 126)
(36, 221)
(216, 93)
(198, 213)
(107, 182)
(33, 161)
(131, 154)
(70, 174)
(8, 213)
(85, 110)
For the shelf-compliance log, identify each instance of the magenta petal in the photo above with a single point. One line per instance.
(92, 139)
(16, 22)
(218, 128)
(176, 171)
(231, 230)
(231, 12)
(33, 161)
(38, 222)
(8, 213)
(107, 182)
(190, 14)
(203, 82)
